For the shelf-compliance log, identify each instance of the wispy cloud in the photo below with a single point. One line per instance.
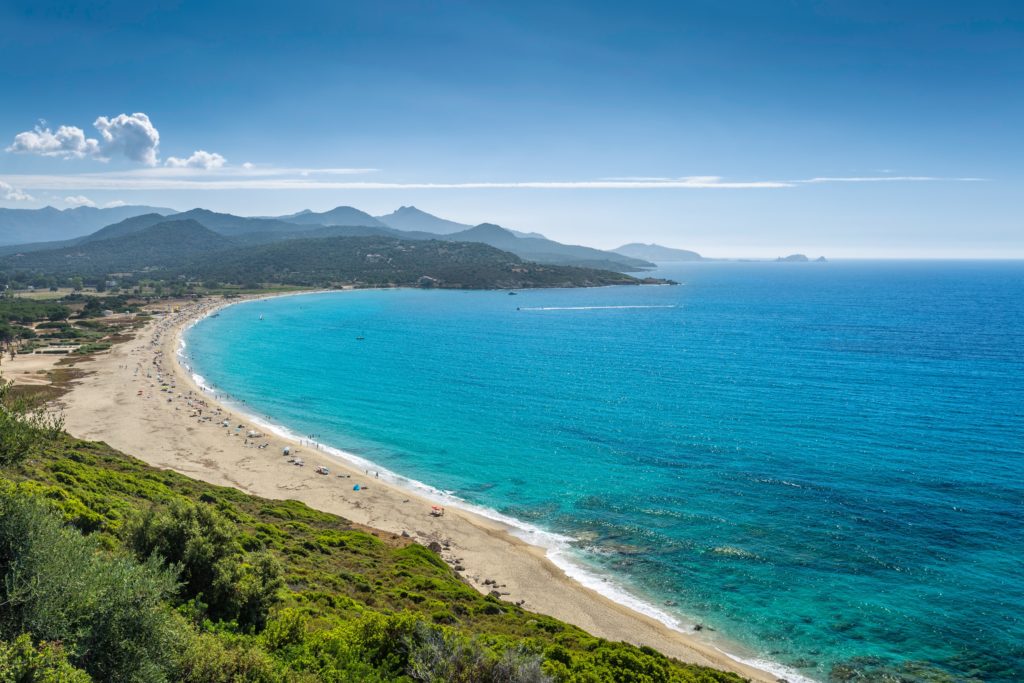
(12, 194)
(886, 179)
(79, 200)
(199, 177)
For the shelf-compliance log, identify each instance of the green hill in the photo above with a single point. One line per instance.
(163, 246)
(186, 251)
(378, 261)
(111, 570)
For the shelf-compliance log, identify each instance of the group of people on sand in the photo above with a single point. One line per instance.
(201, 409)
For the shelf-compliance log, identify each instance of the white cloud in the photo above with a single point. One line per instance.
(114, 204)
(130, 135)
(13, 194)
(69, 142)
(133, 135)
(248, 165)
(199, 159)
(233, 178)
(79, 200)
(883, 179)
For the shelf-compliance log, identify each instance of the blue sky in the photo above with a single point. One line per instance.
(855, 128)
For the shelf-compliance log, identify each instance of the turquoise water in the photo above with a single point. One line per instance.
(822, 462)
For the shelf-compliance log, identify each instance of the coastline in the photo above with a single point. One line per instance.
(113, 401)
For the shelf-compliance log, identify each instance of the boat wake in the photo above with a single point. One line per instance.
(589, 308)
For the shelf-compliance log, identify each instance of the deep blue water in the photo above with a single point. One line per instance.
(821, 461)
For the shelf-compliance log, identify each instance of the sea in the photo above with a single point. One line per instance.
(817, 467)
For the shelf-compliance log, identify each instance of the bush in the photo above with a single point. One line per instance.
(24, 426)
(22, 662)
(437, 655)
(201, 542)
(56, 584)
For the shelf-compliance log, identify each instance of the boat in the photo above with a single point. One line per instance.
(360, 338)
(261, 316)
(513, 293)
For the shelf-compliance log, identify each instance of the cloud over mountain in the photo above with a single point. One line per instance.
(133, 135)
(68, 142)
(79, 200)
(128, 136)
(13, 194)
(199, 159)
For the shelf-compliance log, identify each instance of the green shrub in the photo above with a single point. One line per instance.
(23, 662)
(108, 611)
(202, 543)
(24, 426)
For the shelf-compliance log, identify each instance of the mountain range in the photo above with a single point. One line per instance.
(181, 250)
(62, 229)
(18, 226)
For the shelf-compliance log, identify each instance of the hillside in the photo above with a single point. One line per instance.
(162, 246)
(341, 215)
(111, 570)
(543, 250)
(657, 253)
(18, 226)
(377, 261)
(185, 251)
(412, 219)
(230, 225)
(348, 221)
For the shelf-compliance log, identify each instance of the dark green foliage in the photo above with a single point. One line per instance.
(387, 261)
(162, 245)
(182, 251)
(55, 584)
(23, 662)
(202, 543)
(21, 310)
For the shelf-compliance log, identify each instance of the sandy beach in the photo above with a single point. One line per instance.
(139, 399)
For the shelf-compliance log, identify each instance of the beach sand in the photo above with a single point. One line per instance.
(120, 402)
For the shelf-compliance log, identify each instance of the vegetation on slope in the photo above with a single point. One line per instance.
(166, 245)
(184, 251)
(379, 261)
(116, 571)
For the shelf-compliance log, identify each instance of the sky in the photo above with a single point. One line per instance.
(745, 128)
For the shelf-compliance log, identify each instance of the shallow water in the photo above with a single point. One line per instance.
(822, 461)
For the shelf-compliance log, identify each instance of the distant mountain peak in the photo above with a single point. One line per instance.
(657, 252)
(411, 218)
(339, 215)
(492, 228)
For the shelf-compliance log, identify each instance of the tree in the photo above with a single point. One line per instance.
(24, 425)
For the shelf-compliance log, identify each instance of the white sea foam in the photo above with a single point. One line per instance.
(560, 549)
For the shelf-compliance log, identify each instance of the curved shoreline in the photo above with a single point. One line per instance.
(484, 541)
